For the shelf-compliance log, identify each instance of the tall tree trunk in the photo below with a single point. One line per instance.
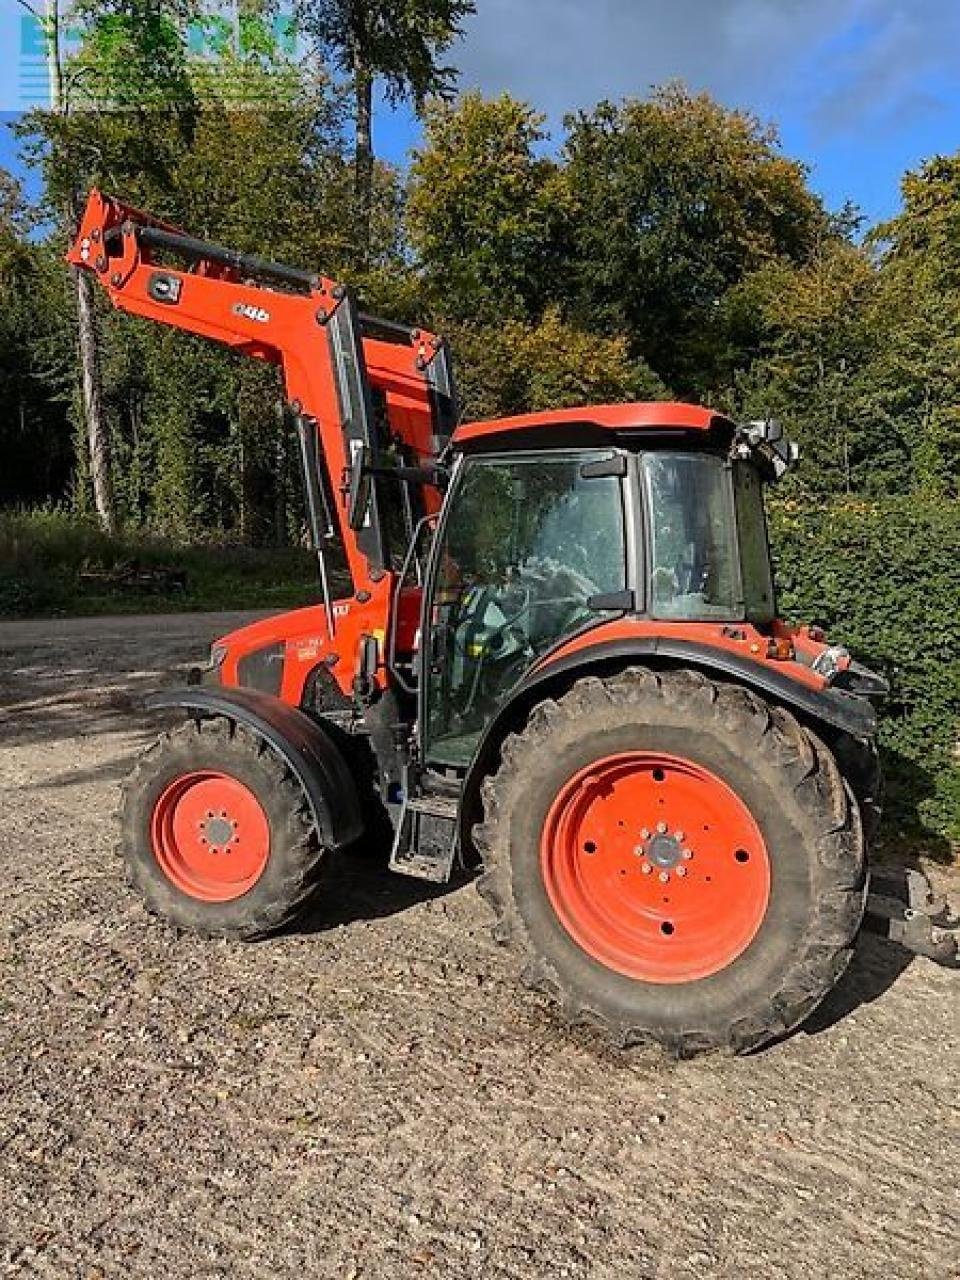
(363, 160)
(98, 440)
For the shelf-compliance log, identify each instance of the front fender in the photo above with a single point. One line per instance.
(306, 746)
(844, 711)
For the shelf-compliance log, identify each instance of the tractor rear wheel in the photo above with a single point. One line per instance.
(677, 861)
(216, 833)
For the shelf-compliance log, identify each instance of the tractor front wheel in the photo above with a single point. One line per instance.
(677, 860)
(216, 833)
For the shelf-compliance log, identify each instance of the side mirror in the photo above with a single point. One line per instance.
(768, 442)
(360, 485)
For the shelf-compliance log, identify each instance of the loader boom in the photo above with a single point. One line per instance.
(374, 400)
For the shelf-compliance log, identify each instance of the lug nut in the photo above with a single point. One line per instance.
(644, 833)
(662, 828)
(681, 871)
(646, 868)
(679, 837)
(686, 854)
(664, 877)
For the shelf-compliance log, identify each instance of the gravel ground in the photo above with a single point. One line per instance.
(372, 1095)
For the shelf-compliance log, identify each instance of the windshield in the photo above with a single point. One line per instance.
(527, 543)
(693, 549)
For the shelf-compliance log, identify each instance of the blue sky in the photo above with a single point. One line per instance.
(861, 89)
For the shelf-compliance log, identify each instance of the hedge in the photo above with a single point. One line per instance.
(883, 577)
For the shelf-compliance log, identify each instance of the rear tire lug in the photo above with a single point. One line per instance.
(664, 877)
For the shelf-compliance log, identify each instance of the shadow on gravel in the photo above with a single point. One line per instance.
(361, 887)
(876, 965)
(39, 716)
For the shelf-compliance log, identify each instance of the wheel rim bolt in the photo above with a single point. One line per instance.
(646, 868)
(664, 877)
(662, 828)
(681, 871)
(686, 854)
(679, 836)
(644, 833)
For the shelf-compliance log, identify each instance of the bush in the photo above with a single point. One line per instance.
(44, 556)
(884, 579)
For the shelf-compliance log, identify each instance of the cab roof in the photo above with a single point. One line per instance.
(590, 424)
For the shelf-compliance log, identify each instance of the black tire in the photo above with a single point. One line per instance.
(859, 762)
(296, 859)
(790, 784)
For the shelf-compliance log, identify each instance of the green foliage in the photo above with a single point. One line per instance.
(883, 577)
(132, 54)
(806, 324)
(36, 358)
(675, 199)
(517, 368)
(45, 555)
(483, 211)
(396, 40)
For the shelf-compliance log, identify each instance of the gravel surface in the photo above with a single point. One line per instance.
(372, 1095)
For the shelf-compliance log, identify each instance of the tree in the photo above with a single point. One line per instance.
(37, 356)
(484, 212)
(397, 41)
(674, 200)
(516, 367)
(915, 377)
(806, 325)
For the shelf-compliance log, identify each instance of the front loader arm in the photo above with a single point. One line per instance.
(308, 325)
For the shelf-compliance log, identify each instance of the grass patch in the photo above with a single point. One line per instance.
(56, 564)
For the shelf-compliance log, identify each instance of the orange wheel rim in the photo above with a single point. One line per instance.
(210, 836)
(655, 867)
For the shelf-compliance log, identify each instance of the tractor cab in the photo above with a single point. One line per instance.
(657, 515)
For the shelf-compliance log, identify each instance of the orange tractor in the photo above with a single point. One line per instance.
(559, 661)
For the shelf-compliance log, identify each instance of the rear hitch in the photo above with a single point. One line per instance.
(903, 907)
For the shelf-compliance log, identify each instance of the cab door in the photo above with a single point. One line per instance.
(529, 547)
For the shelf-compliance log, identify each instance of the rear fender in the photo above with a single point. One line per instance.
(828, 707)
(306, 746)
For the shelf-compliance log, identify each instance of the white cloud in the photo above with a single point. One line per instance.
(841, 63)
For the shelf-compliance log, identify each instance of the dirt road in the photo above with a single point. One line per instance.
(372, 1095)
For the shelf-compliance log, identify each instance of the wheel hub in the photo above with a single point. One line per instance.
(654, 902)
(218, 830)
(664, 851)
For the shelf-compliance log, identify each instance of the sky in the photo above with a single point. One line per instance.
(861, 89)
